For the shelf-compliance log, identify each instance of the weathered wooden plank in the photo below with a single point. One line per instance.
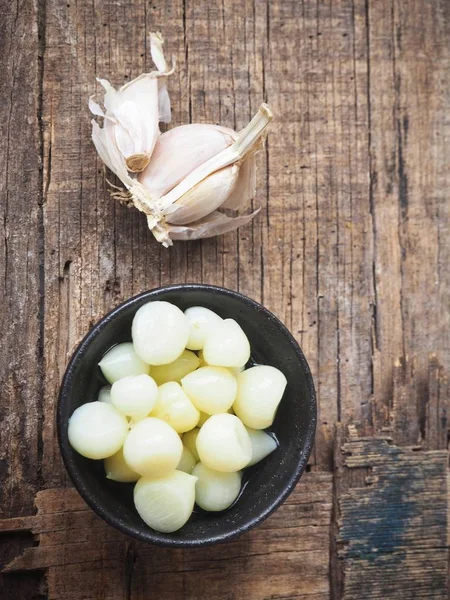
(409, 135)
(86, 558)
(21, 212)
(393, 526)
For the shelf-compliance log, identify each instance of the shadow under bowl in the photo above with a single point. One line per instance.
(267, 484)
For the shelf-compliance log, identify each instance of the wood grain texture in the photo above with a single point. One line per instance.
(85, 558)
(351, 250)
(393, 529)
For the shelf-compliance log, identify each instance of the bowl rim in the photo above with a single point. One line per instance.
(74, 472)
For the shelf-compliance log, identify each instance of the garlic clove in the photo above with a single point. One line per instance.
(204, 198)
(180, 151)
(214, 224)
(245, 189)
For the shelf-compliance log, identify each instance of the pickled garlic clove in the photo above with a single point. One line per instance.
(104, 394)
(215, 490)
(166, 503)
(227, 345)
(187, 461)
(223, 444)
(190, 441)
(175, 371)
(211, 389)
(152, 448)
(134, 396)
(202, 323)
(97, 430)
(263, 444)
(175, 407)
(117, 469)
(122, 361)
(260, 390)
(160, 332)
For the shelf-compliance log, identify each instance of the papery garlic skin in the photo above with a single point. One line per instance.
(202, 322)
(227, 345)
(211, 389)
(175, 407)
(117, 469)
(176, 370)
(97, 430)
(134, 396)
(133, 112)
(263, 444)
(160, 332)
(122, 361)
(215, 490)
(152, 448)
(187, 462)
(223, 444)
(166, 503)
(260, 390)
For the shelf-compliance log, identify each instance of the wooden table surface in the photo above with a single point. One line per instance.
(351, 250)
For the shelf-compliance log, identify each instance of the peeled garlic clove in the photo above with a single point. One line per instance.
(160, 332)
(187, 462)
(211, 389)
(190, 441)
(223, 444)
(152, 448)
(203, 198)
(122, 361)
(135, 396)
(260, 390)
(203, 418)
(175, 371)
(104, 394)
(263, 444)
(175, 407)
(227, 345)
(202, 322)
(97, 430)
(215, 490)
(117, 469)
(166, 503)
(180, 151)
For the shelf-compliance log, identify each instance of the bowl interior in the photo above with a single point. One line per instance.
(267, 483)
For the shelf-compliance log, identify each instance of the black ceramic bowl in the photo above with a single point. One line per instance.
(267, 484)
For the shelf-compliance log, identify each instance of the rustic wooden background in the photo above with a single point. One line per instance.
(351, 250)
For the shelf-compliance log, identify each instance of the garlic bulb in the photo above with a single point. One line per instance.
(132, 113)
(187, 175)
